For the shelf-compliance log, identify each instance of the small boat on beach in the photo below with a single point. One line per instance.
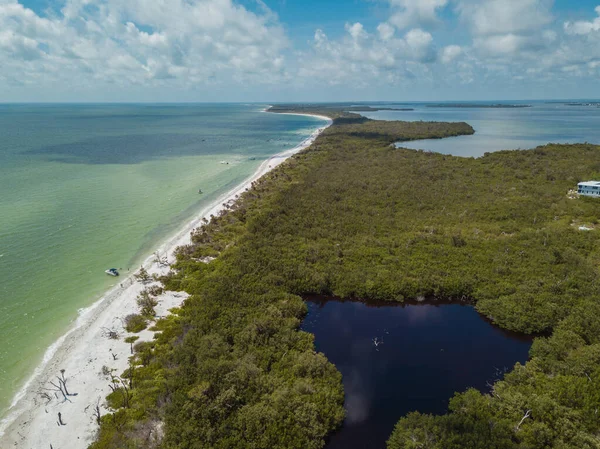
(112, 272)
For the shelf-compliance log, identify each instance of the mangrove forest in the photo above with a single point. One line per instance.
(355, 217)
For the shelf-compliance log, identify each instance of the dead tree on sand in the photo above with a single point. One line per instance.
(61, 387)
(118, 384)
(111, 334)
(160, 261)
(143, 276)
(96, 413)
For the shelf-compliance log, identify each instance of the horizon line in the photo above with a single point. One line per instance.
(3, 103)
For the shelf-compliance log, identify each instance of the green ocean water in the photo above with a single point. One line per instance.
(88, 187)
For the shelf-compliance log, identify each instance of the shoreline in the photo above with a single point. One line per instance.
(84, 350)
(323, 117)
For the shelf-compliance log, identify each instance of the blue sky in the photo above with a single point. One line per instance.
(291, 50)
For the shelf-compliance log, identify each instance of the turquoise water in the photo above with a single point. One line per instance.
(503, 129)
(87, 187)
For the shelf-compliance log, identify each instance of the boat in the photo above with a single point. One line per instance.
(200, 191)
(112, 272)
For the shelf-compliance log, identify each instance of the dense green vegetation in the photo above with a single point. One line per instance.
(353, 216)
(135, 323)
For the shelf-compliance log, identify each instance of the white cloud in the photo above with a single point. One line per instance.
(542, 50)
(419, 45)
(21, 47)
(141, 42)
(494, 17)
(360, 56)
(183, 44)
(450, 53)
(500, 44)
(386, 31)
(356, 30)
(410, 13)
(507, 28)
(583, 27)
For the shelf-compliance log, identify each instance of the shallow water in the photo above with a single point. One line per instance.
(502, 129)
(427, 353)
(88, 187)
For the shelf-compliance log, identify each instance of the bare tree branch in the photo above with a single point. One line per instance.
(527, 415)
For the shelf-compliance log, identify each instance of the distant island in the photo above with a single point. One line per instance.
(332, 110)
(355, 217)
(592, 105)
(478, 106)
(372, 109)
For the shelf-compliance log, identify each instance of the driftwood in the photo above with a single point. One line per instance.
(161, 261)
(58, 387)
(111, 334)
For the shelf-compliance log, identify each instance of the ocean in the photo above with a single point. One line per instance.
(84, 188)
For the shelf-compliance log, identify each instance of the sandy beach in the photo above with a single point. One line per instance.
(33, 421)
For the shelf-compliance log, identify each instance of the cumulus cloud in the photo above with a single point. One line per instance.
(450, 53)
(386, 31)
(360, 54)
(520, 41)
(356, 30)
(578, 51)
(584, 27)
(91, 44)
(140, 42)
(502, 17)
(511, 41)
(410, 13)
(506, 27)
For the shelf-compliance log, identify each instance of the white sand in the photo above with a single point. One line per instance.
(32, 422)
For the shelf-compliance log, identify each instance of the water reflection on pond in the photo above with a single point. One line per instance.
(427, 353)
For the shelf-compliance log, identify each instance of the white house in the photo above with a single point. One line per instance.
(589, 188)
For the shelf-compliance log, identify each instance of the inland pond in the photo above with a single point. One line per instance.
(398, 358)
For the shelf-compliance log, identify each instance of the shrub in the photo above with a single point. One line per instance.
(147, 303)
(135, 323)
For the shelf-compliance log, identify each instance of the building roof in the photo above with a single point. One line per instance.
(589, 184)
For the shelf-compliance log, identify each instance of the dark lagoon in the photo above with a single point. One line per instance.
(428, 352)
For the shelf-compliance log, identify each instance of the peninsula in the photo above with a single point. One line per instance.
(231, 365)
(353, 216)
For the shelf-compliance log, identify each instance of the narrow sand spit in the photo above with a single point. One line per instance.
(33, 421)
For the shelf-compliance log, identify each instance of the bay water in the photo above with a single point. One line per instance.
(502, 128)
(87, 187)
